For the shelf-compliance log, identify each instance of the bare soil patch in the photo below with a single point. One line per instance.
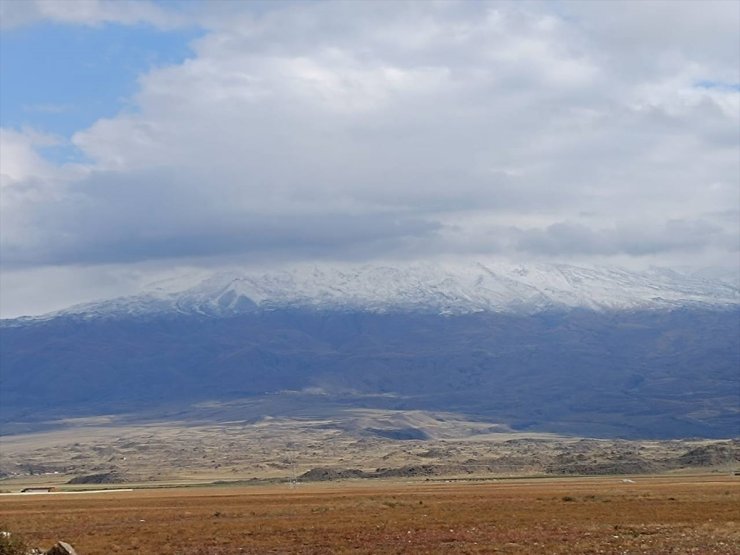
(676, 514)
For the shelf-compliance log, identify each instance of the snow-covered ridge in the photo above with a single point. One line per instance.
(442, 288)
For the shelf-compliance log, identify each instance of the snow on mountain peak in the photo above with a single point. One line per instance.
(450, 288)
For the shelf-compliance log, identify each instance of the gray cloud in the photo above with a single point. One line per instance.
(340, 130)
(111, 218)
(636, 239)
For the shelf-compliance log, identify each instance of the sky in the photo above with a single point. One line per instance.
(143, 138)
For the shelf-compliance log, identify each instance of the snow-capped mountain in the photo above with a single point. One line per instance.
(382, 336)
(441, 288)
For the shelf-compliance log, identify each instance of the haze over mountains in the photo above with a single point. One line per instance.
(585, 351)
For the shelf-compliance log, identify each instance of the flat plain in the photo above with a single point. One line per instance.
(610, 514)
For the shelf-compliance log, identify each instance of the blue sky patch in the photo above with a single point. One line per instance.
(718, 86)
(61, 79)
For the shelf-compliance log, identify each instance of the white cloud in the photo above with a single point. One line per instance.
(19, 160)
(353, 130)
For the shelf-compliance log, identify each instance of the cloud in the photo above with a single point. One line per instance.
(95, 215)
(19, 13)
(19, 157)
(635, 239)
(340, 130)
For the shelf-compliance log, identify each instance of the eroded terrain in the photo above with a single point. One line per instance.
(354, 444)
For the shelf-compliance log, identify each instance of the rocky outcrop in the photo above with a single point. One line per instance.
(12, 544)
(103, 478)
(61, 548)
(325, 474)
(408, 471)
(712, 455)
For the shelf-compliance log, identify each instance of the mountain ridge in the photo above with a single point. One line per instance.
(437, 288)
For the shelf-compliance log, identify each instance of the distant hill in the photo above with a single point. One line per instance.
(592, 352)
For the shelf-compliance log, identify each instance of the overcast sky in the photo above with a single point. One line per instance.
(142, 137)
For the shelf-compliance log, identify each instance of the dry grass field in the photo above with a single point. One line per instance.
(669, 514)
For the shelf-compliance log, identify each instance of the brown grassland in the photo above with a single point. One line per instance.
(659, 514)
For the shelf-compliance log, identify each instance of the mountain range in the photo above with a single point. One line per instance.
(430, 288)
(594, 351)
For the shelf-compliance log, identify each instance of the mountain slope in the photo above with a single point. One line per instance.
(625, 374)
